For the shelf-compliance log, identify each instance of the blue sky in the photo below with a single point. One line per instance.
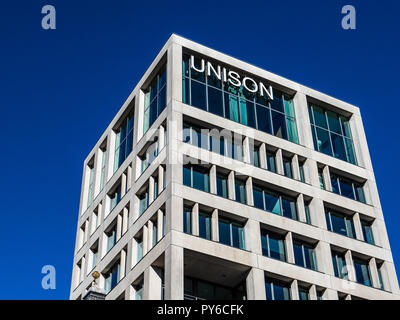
(60, 88)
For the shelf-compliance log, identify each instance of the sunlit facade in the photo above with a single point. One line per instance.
(220, 180)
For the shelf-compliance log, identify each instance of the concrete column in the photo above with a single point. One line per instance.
(249, 191)
(160, 220)
(324, 258)
(152, 285)
(174, 273)
(119, 227)
(294, 290)
(161, 138)
(214, 226)
(150, 235)
(358, 227)
(327, 178)
(374, 273)
(255, 284)
(246, 150)
(317, 213)
(313, 292)
(231, 185)
(111, 147)
(213, 179)
(123, 184)
(125, 215)
(263, 156)
(130, 293)
(145, 238)
(253, 236)
(296, 167)
(312, 169)
(174, 214)
(122, 265)
(303, 120)
(289, 248)
(330, 294)
(279, 162)
(129, 177)
(151, 190)
(350, 266)
(300, 208)
(160, 179)
(195, 220)
(129, 253)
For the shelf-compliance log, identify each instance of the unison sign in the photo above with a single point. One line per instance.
(232, 77)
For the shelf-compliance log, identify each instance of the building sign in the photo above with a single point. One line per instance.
(233, 78)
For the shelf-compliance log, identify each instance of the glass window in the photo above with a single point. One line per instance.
(143, 201)
(287, 167)
(237, 103)
(255, 155)
(271, 162)
(321, 178)
(196, 177)
(362, 271)
(273, 245)
(204, 225)
(103, 168)
(347, 188)
(304, 255)
(112, 277)
(187, 220)
(301, 170)
(222, 185)
(111, 238)
(339, 265)
(155, 97)
(115, 198)
(307, 211)
(231, 233)
(331, 134)
(340, 223)
(367, 231)
(304, 293)
(90, 188)
(123, 141)
(240, 191)
(276, 290)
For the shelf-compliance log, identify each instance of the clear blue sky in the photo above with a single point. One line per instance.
(60, 88)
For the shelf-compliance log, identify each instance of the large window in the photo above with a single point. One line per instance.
(143, 201)
(304, 293)
(331, 133)
(275, 116)
(103, 168)
(195, 289)
(148, 157)
(123, 141)
(231, 233)
(347, 188)
(90, 188)
(274, 202)
(340, 223)
(277, 290)
(362, 271)
(273, 245)
(155, 99)
(304, 255)
(196, 177)
(112, 277)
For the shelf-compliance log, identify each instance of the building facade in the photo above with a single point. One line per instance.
(220, 180)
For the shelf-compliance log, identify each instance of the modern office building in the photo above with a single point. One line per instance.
(220, 180)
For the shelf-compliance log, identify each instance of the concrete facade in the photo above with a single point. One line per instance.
(151, 251)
